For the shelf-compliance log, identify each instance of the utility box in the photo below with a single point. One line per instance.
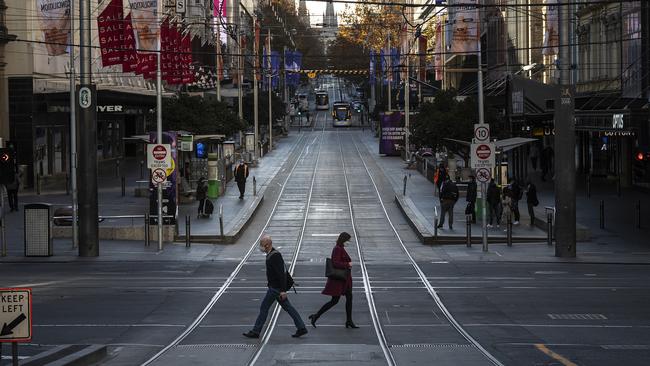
(38, 230)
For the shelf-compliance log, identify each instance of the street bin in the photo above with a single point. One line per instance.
(38, 230)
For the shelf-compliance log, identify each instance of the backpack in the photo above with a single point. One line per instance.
(290, 282)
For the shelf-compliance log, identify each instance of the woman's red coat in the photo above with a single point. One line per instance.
(340, 259)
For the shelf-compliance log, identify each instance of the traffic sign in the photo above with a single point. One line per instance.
(158, 176)
(482, 155)
(16, 314)
(481, 132)
(159, 156)
(85, 97)
(483, 175)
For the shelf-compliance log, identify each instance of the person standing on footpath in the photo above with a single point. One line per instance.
(531, 201)
(12, 192)
(493, 197)
(276, 275)
(448, 198)
(516, 195)
(241, 173)
(471, 198)
(440, 176)
(201, 194)
(334, 287)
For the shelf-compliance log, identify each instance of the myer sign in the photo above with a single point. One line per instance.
(100, 108)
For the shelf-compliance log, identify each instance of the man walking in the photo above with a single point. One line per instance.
(531, 201)
(276, 276)
(241, 173)
(516, 195)
(493, 196)
(448, 198)
(12, 192)
(471, 198)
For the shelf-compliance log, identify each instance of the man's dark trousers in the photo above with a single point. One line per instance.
(242, 188)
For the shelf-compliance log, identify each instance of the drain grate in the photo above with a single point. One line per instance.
(627, 347)
(577, 316)
(431, 345)
(216, 345)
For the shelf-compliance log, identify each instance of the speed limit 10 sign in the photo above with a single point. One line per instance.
(481, 132)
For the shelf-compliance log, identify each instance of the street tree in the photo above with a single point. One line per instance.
(200, 115)
(278, 108)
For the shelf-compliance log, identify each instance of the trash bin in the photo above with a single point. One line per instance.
(38, 231)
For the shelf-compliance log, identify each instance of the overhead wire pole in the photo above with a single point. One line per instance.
(390, 76)
(565, 180)
(481, 120)
(255, 91)
(270, 83)
(159, 123)
(87, 127)
(73, 134)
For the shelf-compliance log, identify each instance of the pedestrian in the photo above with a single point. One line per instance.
(12, 192)
(534, 155)
(448, 198)
(471, 198)
(516, 195)
(241, 173)
(439, 176)
(276, 276)
(547, 162)
(201, 194)
(531, 201)
(493, 197)
(506, 205)
(336, 287)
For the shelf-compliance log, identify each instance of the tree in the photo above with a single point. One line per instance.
(449, 117)
(278, 109)
(349, 56)
(372, 25)
(200, 115)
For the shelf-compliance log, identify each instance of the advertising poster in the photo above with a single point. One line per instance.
(391, 140)
(464, 38)
(54, 19)
(551, 34)
(144, 14)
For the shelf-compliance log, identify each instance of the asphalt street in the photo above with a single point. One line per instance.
(413, 307)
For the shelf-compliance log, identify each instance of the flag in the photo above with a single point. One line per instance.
(371, 68)
(438, 52)
(129, 55)
(176, 69)
(256, 50)
(54, 18)
(219, 7)
(551, 35)
(110, 24)
(186, 49)
(166, 66)
(383, 64)
(275, 69)
(465, 26)
(395, 67)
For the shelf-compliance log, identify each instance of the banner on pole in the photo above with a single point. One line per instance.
(54, 16)
(110, 23)
(551, 34)
(465, 26)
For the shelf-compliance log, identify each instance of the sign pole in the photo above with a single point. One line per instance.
(268, 57)
(159, 129)
(481, 120)
(73, 136)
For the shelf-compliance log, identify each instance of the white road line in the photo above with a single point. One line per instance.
(604, 326)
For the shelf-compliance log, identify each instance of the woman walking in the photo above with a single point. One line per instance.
(334, 287)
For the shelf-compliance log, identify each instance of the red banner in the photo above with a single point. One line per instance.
(111, 27)
(129, 56)
(165, 49)
(176, 69)
(186, 49)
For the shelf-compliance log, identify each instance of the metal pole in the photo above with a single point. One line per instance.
(509, 230)
(146, 229)
(159, 131)
(14, 353)
(484, 214)
(219, 60)
(141, 169)
(407, 106)
(268, 60)
(117, 168)
(638, 214)
(254, 186)
(435, 224)
(549, 228)
(468, 226)
(405, 180)
(2, 223)
(187, 231)
(240, 78)
(390, 76)
(588, 185)
(221, 220)
(123, 186)
(87, 128)
(38, 184)
(565, 180)
(602, 214)
(73, 134)
(255, 93)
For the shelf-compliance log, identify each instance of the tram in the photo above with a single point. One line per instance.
(322, 100)
(341, 114)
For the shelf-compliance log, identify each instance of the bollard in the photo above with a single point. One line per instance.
(435, 229)
(141, 169)
(404, 191)
(509, 230)
(38, 184)
(221, 220)
(67, 184)
(588, 186)
(4, 237)
(638, 214)
(123, 186)
(254, 186)
(117, 168)
(187, 231)
(549, 228)
(602, 214)
(146, 229)
(468, 229)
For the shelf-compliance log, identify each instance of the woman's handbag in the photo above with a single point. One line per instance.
(334, 273)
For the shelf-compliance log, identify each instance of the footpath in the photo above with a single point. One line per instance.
(621, 241)
(236, 214)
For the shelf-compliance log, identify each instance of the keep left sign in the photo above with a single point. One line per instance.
(15, 314)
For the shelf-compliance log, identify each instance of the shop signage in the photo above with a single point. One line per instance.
(85, 97)
(617, 121)
(180, 6)
(100, 108)
(187, 143)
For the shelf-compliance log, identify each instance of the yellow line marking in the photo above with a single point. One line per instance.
(563, 360)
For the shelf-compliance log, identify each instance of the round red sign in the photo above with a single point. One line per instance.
(483, 151)
(159, 152)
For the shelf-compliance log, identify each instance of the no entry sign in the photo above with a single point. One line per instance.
(159, 156)
(482, 155)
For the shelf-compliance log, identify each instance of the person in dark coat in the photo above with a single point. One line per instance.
(335, 288)
(531, 201)
(201, 194)
(515, 194)
(448, 198)
(493, 197)
(276, 275)
(440, 175)
(241, 173)
(471, 198)
(12, 192)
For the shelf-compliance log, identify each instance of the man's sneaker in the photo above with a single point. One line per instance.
(299, 332)
(516, 223)
(251, 334)
(498, 226)
(489, 226)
